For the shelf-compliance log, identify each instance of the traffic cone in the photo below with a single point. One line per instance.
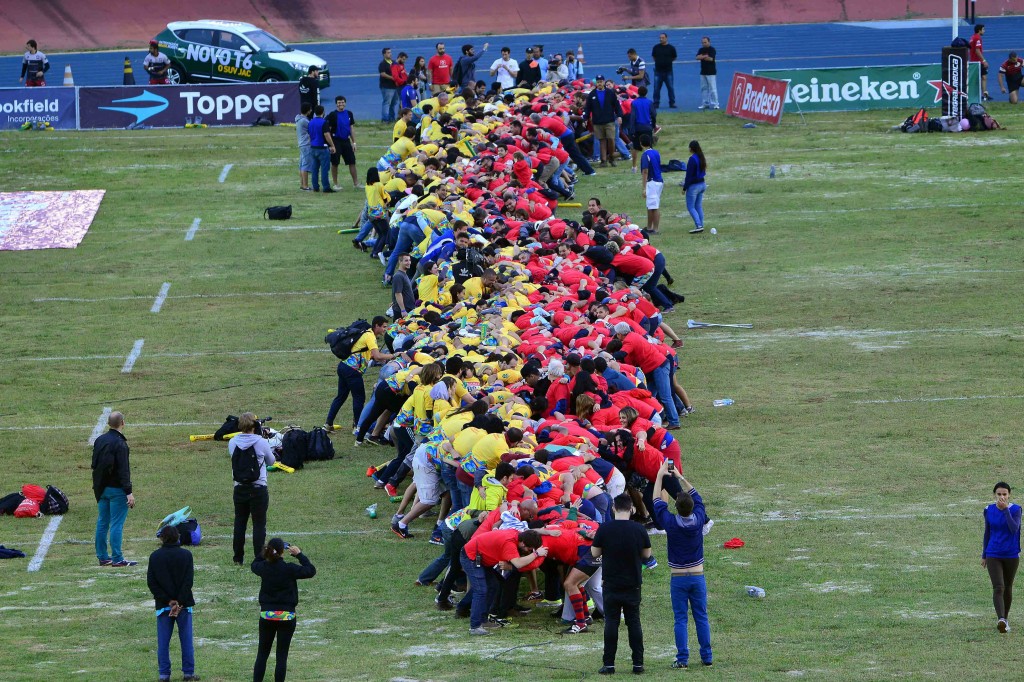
(68, 78)
(129, 77)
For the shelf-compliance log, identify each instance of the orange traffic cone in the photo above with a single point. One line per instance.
(129, 77)
(68, 78)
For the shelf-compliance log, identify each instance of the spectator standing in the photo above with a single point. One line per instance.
(505, 70)
(388, 89)
(694, 186)
(402, 298)
(309, 86)
(707, 55)
(440, 68)
(279, 597)
(350, 371)
(155, 64)
(422, 76)
(305, 152)
(572, 66)
(637, 69)
(664, 54)
(169, 576)
(557, 70)
(1000, 552)
(651, 182)
(622, 545)
(1011, 70)
(529, 70)
(605, 114)
(250, 456)
(465, 70)
(34, 66)
(542, 62)
(977, 54)
(398, 71)
(322, 146)
(341, 124)
(112, 485)
(642, 119)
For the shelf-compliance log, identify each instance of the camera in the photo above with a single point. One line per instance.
(620, 70)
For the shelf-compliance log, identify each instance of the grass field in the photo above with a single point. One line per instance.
(877, 400)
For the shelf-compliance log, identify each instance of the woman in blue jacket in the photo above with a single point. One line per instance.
(694, 186)
(1000, 552)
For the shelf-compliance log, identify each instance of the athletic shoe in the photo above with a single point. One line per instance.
(391, 490)
(697, 230)
(124, 563)
(1002, 626)
(671, 106)
(399, 531)
(479, 631)
(591, 174)
(459, 613)
(329, 427)
(707, 527)
(651, 563)
(328, 190)
(499, 622)
(306, 189)
(521, 609)
(702, 107)
(397, 517)
(708, 664)
(535, 596)
(376, 440)
(191, 678)
(437, 539)
(657, 531)
(383, 260)
(443, 604)
(106, 562)
(611, 162)
(679, 665)
(690, 410)
(673, 427)
(575, 629)
(638, 670)
(335, 188)
(606, 670)
(420, 583)
(355, 430)
(549, 603)
(359, 443)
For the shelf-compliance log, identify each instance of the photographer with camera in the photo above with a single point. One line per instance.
(250, 456)
(635, 73)
(279, 595)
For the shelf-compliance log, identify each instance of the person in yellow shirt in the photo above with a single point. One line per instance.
(376, 209)
(404, 119)
(351, 370)
(402, 149)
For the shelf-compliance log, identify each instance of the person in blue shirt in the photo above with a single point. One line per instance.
(1000, 551)
(685, 534)
(651, 182)
(642, 119)
(694, 186)
(322, 145)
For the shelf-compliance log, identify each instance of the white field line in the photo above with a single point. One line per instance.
(275, 228)
(896, 401)
(160, 298)
(181, 296)
(97, 430)
(201, 354)
(44, 544)
(129, 362)
(192, 230)
(837, 333)
(900, 273)
(224, 173)
(150, 230)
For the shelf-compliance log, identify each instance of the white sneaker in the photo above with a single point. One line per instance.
(336, 188)
(656, 531)
(707, 527)
(1003, 626)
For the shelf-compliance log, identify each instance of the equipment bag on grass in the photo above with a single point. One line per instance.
(9, 503)
(294, 448)
(917, 123)
(278, 212)
(55, 501)
(230, 426)
(342, 340)
(320, 445)
(28, 509)
(190, 532)
(245, 465)
(33, 492)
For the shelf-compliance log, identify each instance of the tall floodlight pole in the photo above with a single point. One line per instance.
(956, 18)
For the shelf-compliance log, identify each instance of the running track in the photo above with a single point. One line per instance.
(353, 64)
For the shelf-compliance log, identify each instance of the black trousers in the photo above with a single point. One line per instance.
(269, 629)
(627, 602)
(455, 573)
(250, 500)
(1001, 572)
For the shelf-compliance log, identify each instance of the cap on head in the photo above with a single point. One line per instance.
(599, 77)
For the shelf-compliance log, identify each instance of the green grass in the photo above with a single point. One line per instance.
(877, 266)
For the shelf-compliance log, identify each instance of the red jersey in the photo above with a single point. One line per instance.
(1013, 68)
(493, 546)
(641, 352)
(553, 125)
(440, 67)
(975, 48)
(565, 547)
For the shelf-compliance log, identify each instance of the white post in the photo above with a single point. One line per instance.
(956, 18)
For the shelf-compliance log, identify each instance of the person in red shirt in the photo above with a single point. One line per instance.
(398, 71)
(572, 548)
(977, 54)
(639, 351)
(1011, 70)
(440, 69)
(509, 550)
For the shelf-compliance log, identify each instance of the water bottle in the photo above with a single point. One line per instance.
(722, 402)
(771, 171)
(371, 511)
(755, 592)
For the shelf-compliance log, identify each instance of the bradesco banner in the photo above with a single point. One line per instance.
(756, 98)
(170, 105)
(55, 106)
(869, 87)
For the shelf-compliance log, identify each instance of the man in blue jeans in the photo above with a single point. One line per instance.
(112, 485)
(322, 145)
(170, 575)
(685, 535)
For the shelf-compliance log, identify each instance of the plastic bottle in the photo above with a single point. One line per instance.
(771, 171)
(722, 402)
(755, 592)
(371, 511)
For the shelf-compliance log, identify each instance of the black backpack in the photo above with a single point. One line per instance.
(9, 503)
(320, 445)
(230, 426)
(342, 340)
(457, 72)
(294, 448)
(55, 501)
(189, 532)
(278, 212)
(960, 42)
(245, 465)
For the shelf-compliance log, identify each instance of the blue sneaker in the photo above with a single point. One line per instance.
(651, 563)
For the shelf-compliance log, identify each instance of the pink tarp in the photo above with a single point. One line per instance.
(46, 220)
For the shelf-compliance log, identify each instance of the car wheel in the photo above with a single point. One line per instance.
(272, 77)
(176, 75)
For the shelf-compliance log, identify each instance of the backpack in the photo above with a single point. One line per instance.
(342, 340)
(917, 123)
(960, 42)
(294, 448)
(28, 509)
(190, 532)
(320, 445)
(976, 110)
(9, 503)
(55, 501)
(245, 465)
(230, 426)
(33, 492)
(278, 212)
(457, 72)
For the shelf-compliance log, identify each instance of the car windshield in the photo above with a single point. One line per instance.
(266, 42)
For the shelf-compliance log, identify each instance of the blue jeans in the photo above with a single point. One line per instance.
(349, 381)
(708, 92)
(620, 146)
(692, 590)
(389, 104)
(409, 235)
(164, 628)
(572, 149)
(651, 286)
(483, 585)
(113, 510)
(695, 202)
(662, 377)
(321, 165)
(668, 79)
(435, 567)
(448, 476)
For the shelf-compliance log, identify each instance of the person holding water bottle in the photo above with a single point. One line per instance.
(1000, 551)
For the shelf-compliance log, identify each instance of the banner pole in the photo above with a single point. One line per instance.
(956, 18)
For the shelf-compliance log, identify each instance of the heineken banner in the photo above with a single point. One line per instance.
(869, 87)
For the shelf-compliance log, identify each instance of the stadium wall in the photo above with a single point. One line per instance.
(65, 25)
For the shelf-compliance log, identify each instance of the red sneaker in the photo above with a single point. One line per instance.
(390, 490)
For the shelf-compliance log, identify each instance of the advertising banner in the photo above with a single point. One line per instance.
(954, 81)
(55, 106)
(171, 106)
(756, 98)
(869, 87)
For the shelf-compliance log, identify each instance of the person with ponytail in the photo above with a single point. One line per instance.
(694, 186)
(279, 595)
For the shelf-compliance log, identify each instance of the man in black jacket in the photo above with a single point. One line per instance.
(605, 114)
(170, 577)
(112, 484)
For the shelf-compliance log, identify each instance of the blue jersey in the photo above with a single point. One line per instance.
(650, 161)
(316, 133)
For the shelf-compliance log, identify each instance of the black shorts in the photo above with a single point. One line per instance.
(343, 150)
(587, 563)
(1013, 83)
(984, 70)
(641, 130)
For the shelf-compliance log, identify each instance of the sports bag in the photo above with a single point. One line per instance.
(342, 340)
(28, 509)
(917, 123)
(294, 448)
(55, 501)
(278, 212)
(190, 532)
(230, 426)
(33, 492)
(245, 465)
(320, 446)
(9, 503)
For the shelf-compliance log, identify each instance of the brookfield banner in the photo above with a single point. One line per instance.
(171, 106)
(55, 106)
(756, 98)
(869, 87)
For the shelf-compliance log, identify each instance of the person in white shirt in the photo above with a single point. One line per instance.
(505, 69)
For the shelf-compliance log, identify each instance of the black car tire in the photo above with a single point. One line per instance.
(272, 77)
(176, 75)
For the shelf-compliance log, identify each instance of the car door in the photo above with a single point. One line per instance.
(195, 52)
(229, 59)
